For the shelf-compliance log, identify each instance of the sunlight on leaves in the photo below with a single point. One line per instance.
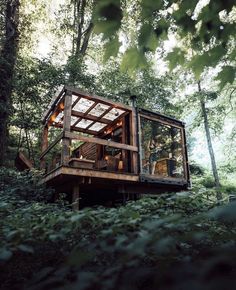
(133, 60)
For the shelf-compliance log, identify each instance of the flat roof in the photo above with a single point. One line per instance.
(90, 113)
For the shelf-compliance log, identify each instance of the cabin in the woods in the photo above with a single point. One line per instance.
(93, 146)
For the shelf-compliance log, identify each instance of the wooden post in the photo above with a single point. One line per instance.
(44, 145)
(124, 153)
(75, 197)
(133, 135)
(66, 142)
(186, 158)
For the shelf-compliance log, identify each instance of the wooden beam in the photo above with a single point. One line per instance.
(62, 171)
(22, 162)
(93, 97)
(133, 140)
(101, 141)
(160, 179)
(186, 157)
(44, 145)
(66, 142)
(90, 117)
(160, 116)
(53, 105)
(100, 119)
(112, 123)
(98, 174)
(184, 154)
(77, 129)
(85, 113)
(162, 120)
(59, 137)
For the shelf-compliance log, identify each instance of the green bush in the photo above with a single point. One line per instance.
(23, 185)
(208, 182)
(229, 189)
(196, 169)
(144, 245)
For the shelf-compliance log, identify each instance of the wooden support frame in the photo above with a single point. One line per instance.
(57, 99)
(82, 94)
(44, 146)
(48, 148)
(186, 158)
(80, 137)
(66, 142)
(90, 117)
(172, 123)
(134, 140)
(161, 120)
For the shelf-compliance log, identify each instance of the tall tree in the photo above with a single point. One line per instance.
(7, 65)
(209, 141)
(83, 25)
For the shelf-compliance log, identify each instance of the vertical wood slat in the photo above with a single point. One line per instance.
(66, 142)
(185, 155)
(124, 141)
(133, 136)
(139, 143)
(44, 146)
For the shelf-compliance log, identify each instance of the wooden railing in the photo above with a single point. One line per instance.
(69, 136)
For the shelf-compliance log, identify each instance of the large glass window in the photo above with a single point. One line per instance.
(162, 151)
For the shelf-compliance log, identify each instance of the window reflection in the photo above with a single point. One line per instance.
(162, 153)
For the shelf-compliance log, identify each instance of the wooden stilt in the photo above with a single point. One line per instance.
(44, 146)
(75, 197)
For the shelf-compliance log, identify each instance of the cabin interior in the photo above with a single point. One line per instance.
(94, 144)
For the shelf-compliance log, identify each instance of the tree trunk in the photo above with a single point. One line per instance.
(209, 145)
(84, 30)
(7, 65)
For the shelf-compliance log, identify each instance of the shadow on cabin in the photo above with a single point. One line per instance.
(95, 149)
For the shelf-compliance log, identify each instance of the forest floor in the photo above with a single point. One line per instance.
(171, 241)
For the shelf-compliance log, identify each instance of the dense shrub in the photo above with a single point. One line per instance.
(196, 169)
(229, 189)
(167, 242)
(23, 185)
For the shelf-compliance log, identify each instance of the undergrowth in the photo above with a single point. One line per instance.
(171, 241)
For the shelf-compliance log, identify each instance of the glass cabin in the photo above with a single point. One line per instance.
(95, 142)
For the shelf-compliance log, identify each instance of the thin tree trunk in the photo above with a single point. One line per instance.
(87, 35)
(209, 145)
(83, 33)
(7, 65)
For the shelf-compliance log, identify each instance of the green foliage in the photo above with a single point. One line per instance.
(206, 36)
(206, 59)
(107, 17)
(196, 169)
(176, 57)
(112, 48)
(152, 92)
(208, 182)
(113, 248)
(133, 59)
(226, 75)
(22, 186)
(147, 38)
